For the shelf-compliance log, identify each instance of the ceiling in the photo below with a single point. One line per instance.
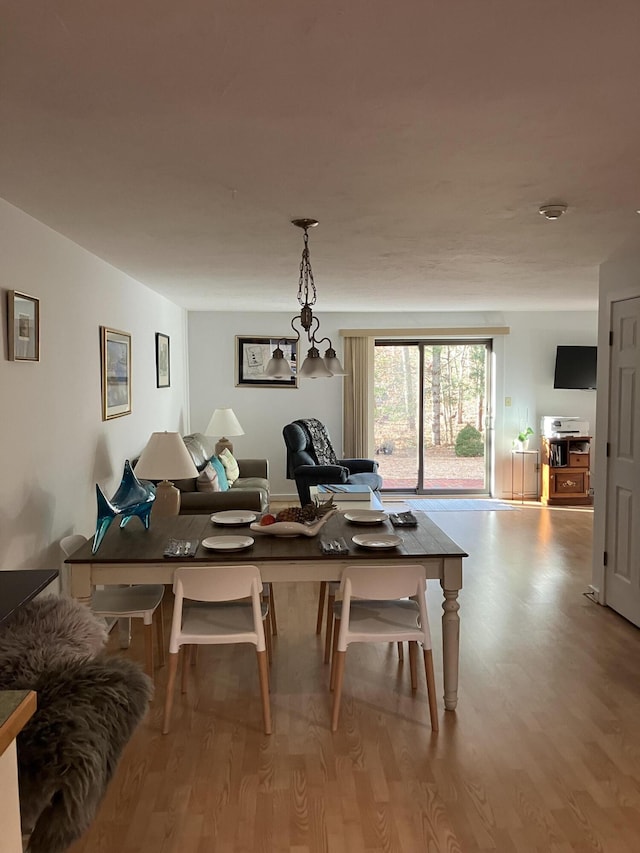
(177, 141)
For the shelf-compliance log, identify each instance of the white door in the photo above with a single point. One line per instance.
(623, 463)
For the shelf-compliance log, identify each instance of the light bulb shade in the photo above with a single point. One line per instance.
(278, 367)
(224, 422)
(313, 367)
(165, 457)
(333, 365)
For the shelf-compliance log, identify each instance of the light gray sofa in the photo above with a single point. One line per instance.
(250, 491)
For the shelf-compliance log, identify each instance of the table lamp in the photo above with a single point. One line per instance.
(165, 458)
(223, 422)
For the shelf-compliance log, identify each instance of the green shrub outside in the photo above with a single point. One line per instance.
(469, 442)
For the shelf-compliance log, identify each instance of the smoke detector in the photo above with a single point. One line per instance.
(552, 211)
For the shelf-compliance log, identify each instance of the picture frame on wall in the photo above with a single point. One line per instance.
(163, 362)
(115, 365)
(252, 356)
(23, 321)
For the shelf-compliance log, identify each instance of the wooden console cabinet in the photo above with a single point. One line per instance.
(565, 471)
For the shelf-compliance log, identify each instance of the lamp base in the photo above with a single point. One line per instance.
(167, 502)
(222, 444)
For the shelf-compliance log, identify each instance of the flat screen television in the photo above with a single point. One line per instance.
(576, 368)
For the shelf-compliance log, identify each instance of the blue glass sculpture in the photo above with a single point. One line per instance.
(133, 497)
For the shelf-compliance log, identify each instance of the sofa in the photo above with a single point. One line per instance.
(250, 491)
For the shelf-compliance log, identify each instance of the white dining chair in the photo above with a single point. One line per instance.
(209, 610)
(140, 601)
(382, 604)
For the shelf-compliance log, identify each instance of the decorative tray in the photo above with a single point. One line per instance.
(291, 528)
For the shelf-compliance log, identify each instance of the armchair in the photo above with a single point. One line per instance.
(311, 460)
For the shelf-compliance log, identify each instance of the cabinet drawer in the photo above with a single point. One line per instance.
(578, 460)
(570, 482)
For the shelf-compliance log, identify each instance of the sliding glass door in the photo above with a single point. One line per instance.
(430, 422)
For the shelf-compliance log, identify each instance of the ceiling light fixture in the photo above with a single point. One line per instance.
(314, 366)
(552, 211)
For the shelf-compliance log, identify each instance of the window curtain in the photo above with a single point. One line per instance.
(357, 436)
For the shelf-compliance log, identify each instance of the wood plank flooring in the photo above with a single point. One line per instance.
(542, 754)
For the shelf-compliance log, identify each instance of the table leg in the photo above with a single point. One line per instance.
(450, 647)
(80, 582)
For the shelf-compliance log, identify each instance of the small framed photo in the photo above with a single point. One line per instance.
(163, 364)
(252, 357)
(23, 316)
(115, 362)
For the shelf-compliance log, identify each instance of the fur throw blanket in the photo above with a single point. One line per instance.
(88, 708)
(68, 751)
(47, 633)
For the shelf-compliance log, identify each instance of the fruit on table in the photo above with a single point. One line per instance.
(267, 519)
(309, 512)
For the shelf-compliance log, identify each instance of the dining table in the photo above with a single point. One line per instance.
(132, 554)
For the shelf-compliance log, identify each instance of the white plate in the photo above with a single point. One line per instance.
(227, 543)
(233, 516)
(366, 516)
(381, 540)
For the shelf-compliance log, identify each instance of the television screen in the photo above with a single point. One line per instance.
(576, 368)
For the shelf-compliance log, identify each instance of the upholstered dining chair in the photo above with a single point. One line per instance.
(211, 607)
(382, 604)
(312, 461)
(140, 601)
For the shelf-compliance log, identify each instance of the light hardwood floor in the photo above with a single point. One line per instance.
(542, 754)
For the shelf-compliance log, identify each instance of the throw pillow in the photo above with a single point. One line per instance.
(208, 480)
(230, 465)
(220, 471)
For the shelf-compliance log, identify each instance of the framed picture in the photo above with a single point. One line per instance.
(252, 357)
(163, 366)
(23, 316)
(115, 363)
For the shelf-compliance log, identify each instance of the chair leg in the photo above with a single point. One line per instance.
(148, 650)
(272, 611)
(431, 689)
(329, 628)
(323, 590)
(336, 634)
(263, 675)
(413, 664)
(267, 640)
(187, 651)
(337, 695)
(400, 652)
(159, 619)
(168, 700)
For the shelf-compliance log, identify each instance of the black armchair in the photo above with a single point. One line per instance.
(311, 460)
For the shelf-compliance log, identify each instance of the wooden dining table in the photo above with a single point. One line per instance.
(132, 555)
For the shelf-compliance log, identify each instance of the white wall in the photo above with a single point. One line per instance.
(55, 446)
(524, 371)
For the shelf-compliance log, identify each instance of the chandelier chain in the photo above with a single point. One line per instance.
(306, 284)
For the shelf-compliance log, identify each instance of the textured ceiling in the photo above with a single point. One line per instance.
(177, 140)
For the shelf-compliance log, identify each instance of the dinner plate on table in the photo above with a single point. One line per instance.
(377, 541)
(233, 516)
(227, 543)
(366, 516)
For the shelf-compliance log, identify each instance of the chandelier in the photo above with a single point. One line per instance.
(314, 366)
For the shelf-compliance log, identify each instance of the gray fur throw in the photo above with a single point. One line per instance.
(88, 708)
(47, 632)
(68, 751)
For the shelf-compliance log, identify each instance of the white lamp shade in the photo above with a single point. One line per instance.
(313, 367)
(224, 422)
(165, 458)
(278, 367)
(333, 366)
